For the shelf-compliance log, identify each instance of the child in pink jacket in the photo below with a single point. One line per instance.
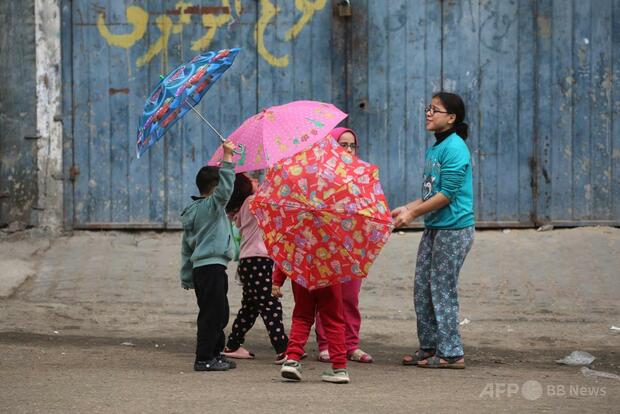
(255, 273)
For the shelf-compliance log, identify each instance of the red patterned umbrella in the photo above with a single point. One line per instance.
(324, 215)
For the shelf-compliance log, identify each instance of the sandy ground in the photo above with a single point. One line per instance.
(531, 298)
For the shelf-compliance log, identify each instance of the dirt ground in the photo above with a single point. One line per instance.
(530, 298)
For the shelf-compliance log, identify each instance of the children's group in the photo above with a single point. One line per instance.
(225, 198)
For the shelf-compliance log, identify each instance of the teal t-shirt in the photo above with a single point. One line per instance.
(447, 170)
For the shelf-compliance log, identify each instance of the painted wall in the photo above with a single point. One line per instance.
(539, 78)
(118, 54)
(31, 154)
(18, 117)
(536, 77)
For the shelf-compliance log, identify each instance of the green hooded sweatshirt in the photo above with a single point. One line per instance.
(206, 228)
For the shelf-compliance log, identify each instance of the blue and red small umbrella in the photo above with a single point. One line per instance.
(179, 92)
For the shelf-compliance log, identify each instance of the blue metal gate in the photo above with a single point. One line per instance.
(536, 76)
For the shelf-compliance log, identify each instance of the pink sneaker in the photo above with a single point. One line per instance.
(239, 353)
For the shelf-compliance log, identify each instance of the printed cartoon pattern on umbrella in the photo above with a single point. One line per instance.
(179, 92)
(279, 132)
(324, 215)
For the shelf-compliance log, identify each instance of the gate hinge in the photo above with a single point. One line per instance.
(344, 8)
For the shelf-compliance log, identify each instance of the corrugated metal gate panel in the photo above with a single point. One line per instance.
(111, 80)
(110, 86)
(395, 66)
(577, 111)
(315, 62)
(484, 44)
(615, 111)
(414, 49)
(536, 79)
(536, 76)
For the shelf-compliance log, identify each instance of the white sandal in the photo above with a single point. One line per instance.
(360, 356)
(324, 356)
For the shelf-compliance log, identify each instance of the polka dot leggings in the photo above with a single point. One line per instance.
(255, 275)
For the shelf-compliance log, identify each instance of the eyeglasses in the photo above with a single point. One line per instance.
(345, 145)
(432, 111)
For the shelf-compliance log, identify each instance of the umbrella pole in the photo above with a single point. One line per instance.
(207, 122)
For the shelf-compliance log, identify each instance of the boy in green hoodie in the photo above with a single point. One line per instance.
(206, 250)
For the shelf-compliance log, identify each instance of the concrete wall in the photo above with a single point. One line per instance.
(30, 138)
(49, 126)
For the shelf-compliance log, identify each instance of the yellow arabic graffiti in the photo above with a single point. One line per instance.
(308, 8)
(268, 12)
(138, 19)
(213, 22)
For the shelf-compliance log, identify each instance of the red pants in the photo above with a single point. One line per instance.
(328, 301)
(352, 318)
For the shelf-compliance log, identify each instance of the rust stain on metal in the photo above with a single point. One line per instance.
(200, 10)
(114, 91)
(74, 171)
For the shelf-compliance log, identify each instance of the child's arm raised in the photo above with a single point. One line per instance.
(224, 188)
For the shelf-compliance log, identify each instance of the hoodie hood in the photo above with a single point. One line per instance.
(188, 216)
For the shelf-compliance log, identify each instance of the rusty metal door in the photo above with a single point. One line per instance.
(113, 54)
(536, 77)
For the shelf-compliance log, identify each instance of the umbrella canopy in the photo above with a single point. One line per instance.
(324, 215)
(279, 132)
(178, 92)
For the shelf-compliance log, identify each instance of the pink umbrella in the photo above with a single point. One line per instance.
(280, 132)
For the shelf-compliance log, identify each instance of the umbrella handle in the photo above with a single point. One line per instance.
(236, 151)
(205, 120)
(240, 150)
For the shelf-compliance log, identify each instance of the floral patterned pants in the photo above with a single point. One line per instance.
(435, 295)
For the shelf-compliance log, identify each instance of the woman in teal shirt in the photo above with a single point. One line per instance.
(447, 205)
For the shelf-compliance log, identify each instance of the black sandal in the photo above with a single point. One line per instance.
(443, 362)
(419, 355)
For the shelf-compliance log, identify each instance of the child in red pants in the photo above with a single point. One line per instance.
(328, 301)
(350, 290)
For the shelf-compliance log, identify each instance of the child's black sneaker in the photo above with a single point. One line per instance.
(211, 365)
(232, 364)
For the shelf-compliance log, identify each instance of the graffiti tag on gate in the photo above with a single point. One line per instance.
(212, 18)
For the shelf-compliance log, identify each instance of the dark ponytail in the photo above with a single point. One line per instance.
(454, 105)
(242, 190)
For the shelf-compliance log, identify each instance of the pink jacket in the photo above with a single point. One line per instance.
(252, 244)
